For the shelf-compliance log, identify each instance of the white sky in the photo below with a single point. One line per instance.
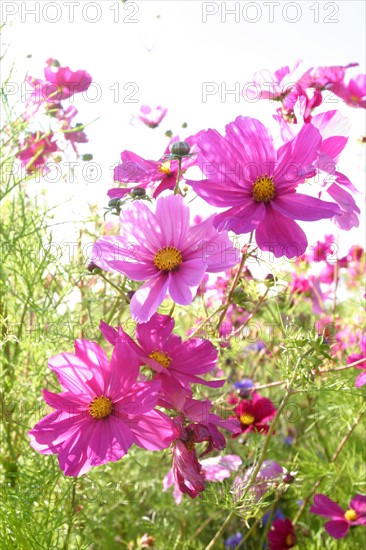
(168, 53)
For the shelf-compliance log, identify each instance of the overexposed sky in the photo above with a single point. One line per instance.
(168, 52)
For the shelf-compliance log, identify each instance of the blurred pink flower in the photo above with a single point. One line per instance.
(269, 473)
(151, 117)
(361, 378)
(35, 151)
(282, 535)
(353, 93)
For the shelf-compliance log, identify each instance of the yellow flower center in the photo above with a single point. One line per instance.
(247, 419)
(168, 258)
(165, 167)
(161, 357)
(350, 515)
(289, 541)
(100, 407)
(263, 189)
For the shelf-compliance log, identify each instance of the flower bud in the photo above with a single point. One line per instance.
(93, 268)
(138, 192)
(180, 148)
(113, 202)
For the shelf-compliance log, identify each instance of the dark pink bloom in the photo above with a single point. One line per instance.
(258, 183)
(254, 414)
(102, 411)
(341, 520)
(152, 117)
(308, 286)
(161, 174)
(361, 379)
(281, 535)
(36, 150)
(172, 359)
(165, 251)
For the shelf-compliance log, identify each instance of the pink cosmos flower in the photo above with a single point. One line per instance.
(165, 251)
(35, 151)
(341, 520)
(161, 174)
(361, 378)
(281, 535)
(255, 414)
(259, 184)
(309, 287)
(215, 469)
(102, 411)
(172, 359)
(152, 117)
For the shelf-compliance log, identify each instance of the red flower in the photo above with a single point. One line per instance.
(254, 414)
(282, 535)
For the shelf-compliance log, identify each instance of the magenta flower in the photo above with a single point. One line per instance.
(102, 411)
(281, 535)
(341, 520)
(35, 151)
(152, 117)
(361, 378)
(255, 413)
(161, 174)
(171, 359)
(259, 184)
(163, 250)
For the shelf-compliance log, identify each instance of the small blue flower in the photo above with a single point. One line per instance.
(233, 541)
(244, 386)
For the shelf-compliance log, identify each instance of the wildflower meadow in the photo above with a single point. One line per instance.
(183, 338)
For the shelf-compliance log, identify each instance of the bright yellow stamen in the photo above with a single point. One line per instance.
(165, 167)
(263, 189)
(100, 407)
(161, 357)
(168, 258)
(246, 419)
(350, 515)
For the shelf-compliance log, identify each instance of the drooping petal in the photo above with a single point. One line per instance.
(183, 283)
(337, 529)
(148, 298)
(280, 235)
(109, 441)
(241, 219)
